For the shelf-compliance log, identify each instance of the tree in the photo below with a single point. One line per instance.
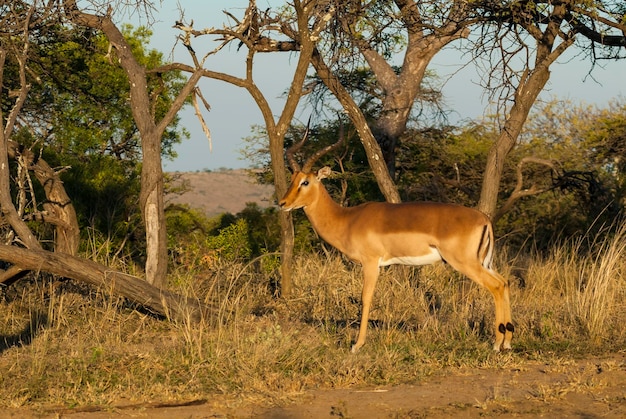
(374, 35)
(535, 34)
(254, 32)
(564, 177)
(151, 130)
(77, 117)
(22, 24)
(19, 23)
(585, 144)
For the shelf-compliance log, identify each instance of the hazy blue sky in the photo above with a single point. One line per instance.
(233, 111)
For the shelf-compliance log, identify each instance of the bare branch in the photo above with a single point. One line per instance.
(519, 191)
(194, 99)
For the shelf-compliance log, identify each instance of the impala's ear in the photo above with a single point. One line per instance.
(323, 173)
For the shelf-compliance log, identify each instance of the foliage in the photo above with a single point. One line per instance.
(184, 222)
(263, 229)
(590, 193)
(78, 118)
(444, 164)
(231, 243)
(104, 192)
(84, 95)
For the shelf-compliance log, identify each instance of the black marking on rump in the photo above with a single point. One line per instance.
(484, 247)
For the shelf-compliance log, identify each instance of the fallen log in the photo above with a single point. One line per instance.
(158, 301)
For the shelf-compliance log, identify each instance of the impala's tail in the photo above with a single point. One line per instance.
(485, 247)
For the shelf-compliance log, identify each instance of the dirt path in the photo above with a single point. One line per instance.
(594, 388)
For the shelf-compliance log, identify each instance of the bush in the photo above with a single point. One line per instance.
(231, 243)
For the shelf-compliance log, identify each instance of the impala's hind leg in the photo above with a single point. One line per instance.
(504, 326)
(499, 288)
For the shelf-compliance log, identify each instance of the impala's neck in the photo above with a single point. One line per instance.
(327, 217)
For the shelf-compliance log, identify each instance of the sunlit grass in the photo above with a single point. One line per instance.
(70, 345)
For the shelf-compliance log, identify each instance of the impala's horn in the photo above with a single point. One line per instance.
(308, 164)
(291, 159)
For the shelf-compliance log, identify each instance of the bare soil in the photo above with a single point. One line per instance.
(589, 388)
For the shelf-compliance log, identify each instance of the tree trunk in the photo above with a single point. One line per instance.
(526, 94)
(287, 242)
(531, 84)
(400, 89)
(59, 205)
(401, 92)
(58, 208)
(153, 210)
(160, 302)
(371, 146)
(151, 196)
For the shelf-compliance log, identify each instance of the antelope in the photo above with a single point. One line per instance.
(377, 234)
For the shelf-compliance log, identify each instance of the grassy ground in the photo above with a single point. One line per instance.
(68, 345)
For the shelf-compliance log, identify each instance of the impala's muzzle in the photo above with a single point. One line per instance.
(282, 204)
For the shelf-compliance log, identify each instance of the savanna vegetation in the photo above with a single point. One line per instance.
(90, 313)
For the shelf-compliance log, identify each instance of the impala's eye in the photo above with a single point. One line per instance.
(305, 183)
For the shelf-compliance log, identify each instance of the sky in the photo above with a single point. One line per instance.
(233, 112)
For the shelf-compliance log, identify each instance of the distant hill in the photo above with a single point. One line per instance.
(218, 192)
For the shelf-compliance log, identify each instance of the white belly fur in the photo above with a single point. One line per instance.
(427, 259)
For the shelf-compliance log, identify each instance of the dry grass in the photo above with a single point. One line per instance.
(68, 345)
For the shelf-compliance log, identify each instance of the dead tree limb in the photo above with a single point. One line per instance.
(158, 301)
(519, 191)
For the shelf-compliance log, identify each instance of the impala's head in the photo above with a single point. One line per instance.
(305, 184)
(304, 189)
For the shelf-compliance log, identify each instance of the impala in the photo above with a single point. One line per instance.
(378, 234)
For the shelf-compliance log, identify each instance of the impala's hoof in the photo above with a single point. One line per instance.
(355, 348)
(504, 346)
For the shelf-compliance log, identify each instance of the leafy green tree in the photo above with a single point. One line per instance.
(444, 163)
(85, 100)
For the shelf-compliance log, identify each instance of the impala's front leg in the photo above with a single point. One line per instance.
(370, 276)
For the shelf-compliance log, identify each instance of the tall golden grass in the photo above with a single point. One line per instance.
(65, 344)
